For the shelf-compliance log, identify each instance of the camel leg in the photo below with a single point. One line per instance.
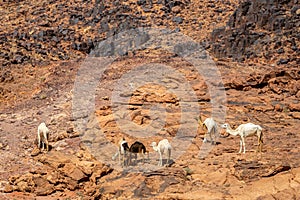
(169, 155)
(243, 140)
(123, 159)
(115, 155)
(47, 145)
(205, 140)
(210, 136)
(241, 146)
(136, 158)
(259, 145)
(119, 157)
(39, 140)
(160, 160)
(143, 154)
(213, 136)
(46, 141)
(130, 159)
(260, 142)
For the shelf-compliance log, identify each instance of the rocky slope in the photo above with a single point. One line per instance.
(43, 46)
(267, 31)
(43, 32)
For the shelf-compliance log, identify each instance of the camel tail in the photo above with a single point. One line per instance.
(260, 139)
(260, 135)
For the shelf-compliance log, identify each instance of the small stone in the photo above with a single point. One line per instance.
(141, 2)
(298, 94)
(215, 162)
(70, 130)
(39, 112)
(283, 61)
(176, 9)
(280, 51)
(218, 10)
(53, 178)
(35, 152)
(177, 30)
(294, 107)
(296, 115)
(105, 98)
(24, 186)
(7, 147)
(278, 107)
(294, 48)
(8, 188)
(178, 20)
(146, 9)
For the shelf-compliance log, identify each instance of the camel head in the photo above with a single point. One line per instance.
(225, 126)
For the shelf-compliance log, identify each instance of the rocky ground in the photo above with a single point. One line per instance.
(43, 47)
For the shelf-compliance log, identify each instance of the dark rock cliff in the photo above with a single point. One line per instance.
(267, 30)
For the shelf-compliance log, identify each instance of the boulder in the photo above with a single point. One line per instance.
(42, 186)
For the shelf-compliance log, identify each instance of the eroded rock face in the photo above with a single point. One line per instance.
(60, 171)
(52, 35)
(261, 29)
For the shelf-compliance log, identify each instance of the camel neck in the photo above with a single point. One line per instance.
(231, 131)
(155, 148)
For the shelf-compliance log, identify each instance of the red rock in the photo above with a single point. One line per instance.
(176, 9)
(42, 186)
(73, 172)
(278, 107)
(298, 94)
(35, 152)
(8, 188)
(294, 107)
(48, 36)
(296, 115)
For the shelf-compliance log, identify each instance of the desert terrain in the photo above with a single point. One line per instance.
(69, 65)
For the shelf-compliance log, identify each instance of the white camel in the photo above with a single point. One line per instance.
(122, 151)
(42, 135)
(246, 130)
(212, 129)
(162, 147)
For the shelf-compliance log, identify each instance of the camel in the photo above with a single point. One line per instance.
(246, 130)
